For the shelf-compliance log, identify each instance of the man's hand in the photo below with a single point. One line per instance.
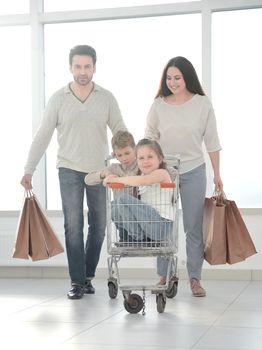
(26, 181)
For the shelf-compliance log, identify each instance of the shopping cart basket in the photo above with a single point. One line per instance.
(137, 229)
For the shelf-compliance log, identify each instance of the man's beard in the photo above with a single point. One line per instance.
(82, 81)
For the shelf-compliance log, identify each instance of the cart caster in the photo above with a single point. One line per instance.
(160, 303)
(171, 291)
(112, 289)
(134, 303)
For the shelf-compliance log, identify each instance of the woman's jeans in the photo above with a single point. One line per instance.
(192, 188)
(82, 258)
(139, 220)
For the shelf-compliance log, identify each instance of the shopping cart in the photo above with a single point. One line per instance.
(130, 235)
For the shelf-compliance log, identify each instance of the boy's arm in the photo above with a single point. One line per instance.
(96, 177)
(104, 173)
(93, 178)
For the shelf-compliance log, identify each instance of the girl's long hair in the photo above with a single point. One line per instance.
(154, 145)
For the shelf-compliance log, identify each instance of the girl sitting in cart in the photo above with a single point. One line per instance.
(148, 216)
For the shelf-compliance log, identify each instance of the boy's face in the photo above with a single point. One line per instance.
(126, 155)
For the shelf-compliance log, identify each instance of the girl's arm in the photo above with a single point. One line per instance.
(157, 176)
(214, 157)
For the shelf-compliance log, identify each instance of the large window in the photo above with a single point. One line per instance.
(16, 118)
(69, 5)
(131, 56)
(237, 77)
(14, 7)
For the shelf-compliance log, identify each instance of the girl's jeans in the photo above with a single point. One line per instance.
(82, 258)
(140, 220)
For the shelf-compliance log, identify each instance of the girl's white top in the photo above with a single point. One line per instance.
(159, 198)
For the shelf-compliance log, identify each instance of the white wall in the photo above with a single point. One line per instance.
(9, 220)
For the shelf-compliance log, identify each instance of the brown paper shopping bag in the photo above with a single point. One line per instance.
(53, 245)
(35, 236)
(22, 233)
(239, 243)
(214, 231)
(37, 245)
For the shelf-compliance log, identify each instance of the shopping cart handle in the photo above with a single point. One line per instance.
(115, 185)
(168, 185)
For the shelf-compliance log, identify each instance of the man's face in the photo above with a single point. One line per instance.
(82, 69)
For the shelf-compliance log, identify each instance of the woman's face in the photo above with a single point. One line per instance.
(175, 81)
(147, 159)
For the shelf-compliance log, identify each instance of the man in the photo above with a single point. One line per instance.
(80, 112)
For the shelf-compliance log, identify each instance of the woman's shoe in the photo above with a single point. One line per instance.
(196, 288)
(162, 281)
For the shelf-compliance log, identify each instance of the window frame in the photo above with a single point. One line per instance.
(37, 18)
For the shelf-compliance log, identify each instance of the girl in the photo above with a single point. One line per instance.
(145, 218)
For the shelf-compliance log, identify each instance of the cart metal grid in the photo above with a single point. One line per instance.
(130, 235)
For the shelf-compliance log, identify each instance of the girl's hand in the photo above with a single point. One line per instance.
(110, 178)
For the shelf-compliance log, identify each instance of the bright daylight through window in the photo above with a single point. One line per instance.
(125, 65)
(131, 56)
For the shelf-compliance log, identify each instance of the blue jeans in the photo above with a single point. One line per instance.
(82, 258)
(140, 220)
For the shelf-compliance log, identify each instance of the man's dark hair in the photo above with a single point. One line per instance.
(82, 50)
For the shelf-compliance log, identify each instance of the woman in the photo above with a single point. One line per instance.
(181, 119)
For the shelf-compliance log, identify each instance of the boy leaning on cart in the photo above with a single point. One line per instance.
(123, 146)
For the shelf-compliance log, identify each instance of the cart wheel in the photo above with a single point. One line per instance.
(134, 303)
(112, 290)
(160, 303)
(171, 291)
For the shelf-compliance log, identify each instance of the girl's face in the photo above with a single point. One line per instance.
(147, 159)
(175, 81)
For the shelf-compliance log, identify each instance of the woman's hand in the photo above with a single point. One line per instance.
(218, 184)
(26, 181)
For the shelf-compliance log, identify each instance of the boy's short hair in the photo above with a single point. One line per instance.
(122, 139)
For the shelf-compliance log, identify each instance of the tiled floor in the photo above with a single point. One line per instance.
(36, 314)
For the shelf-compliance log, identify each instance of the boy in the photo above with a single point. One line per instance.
(123, 146)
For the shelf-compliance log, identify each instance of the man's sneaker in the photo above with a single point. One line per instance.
(196, 288)
(76, 292)
(88, 288)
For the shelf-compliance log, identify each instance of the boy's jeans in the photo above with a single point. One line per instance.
(82, 259)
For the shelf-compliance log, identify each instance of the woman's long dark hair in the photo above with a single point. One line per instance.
(189, 74)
